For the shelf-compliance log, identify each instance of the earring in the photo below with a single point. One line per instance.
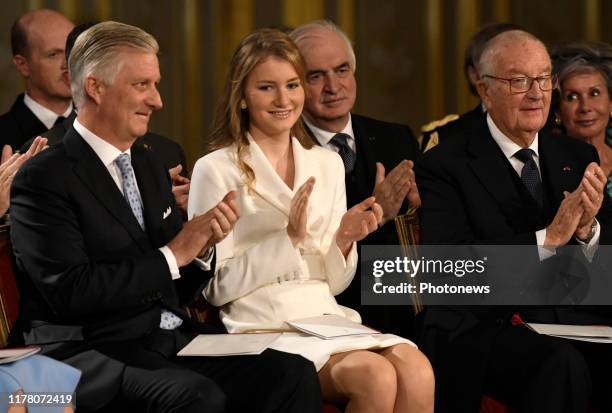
(243, 105)
(557, 120)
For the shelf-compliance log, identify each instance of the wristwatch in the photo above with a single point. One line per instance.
(592, 233)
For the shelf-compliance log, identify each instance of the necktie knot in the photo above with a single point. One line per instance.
(524, 155)
(124, 162)
(340, 141)
(59, 120)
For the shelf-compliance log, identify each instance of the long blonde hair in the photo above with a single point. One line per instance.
(231, 123)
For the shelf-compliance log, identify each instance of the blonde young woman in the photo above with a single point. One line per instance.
(293, 248)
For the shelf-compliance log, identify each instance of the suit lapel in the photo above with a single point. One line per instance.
(492, 169)
(94, 175)
(558, 172)
(149, 188)
(365, 141)
(268, 184)
(28, 124)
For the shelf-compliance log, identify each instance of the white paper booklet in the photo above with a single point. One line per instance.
(330, 326)
(595, 334)
(228, 344)
(8, 355)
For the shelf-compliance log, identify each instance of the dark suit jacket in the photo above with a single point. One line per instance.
(170, 152)
(90, 275)
(471, 195)
(19, 124)
(388, 143)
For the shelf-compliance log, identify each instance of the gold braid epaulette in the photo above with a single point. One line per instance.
(430, 129)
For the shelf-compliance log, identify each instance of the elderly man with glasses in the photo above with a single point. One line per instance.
(508, 182)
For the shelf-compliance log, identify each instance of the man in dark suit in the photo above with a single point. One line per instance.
(506, 181)
(107, 262)
(367, 146)
(170, 152)
(37, 41)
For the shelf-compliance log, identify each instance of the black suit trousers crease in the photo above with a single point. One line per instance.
(271, 382)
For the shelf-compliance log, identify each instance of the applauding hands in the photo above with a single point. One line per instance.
(578, 210)
(298, 212)
(9, 165)
(204, 231)
(391, 190)
(359, 221)
(356, 223)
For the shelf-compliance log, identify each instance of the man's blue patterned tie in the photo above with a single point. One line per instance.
(169, 320)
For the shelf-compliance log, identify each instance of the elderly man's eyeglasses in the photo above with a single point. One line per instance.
(523, 84)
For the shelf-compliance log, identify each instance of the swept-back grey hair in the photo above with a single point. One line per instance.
(489, 54)
(302, 32)
(97, 52)
(583, 57)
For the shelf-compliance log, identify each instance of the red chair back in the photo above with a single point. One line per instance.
(9, 295)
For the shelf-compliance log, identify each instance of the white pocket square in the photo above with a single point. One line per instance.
(167, 213)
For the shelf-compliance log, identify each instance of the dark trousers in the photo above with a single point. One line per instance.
(538, 373)
(527, 371)
(155, 380)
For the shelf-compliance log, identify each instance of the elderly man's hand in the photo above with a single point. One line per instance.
(10, 164)
(591, 197)
(391, 190)
(566, 220)
(180, 189)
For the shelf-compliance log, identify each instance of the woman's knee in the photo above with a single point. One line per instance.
(365, 372)
(412, 368)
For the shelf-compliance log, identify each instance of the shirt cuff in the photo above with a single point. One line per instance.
(171, 261)
(543, 252)
(204, 261)
(589, 249)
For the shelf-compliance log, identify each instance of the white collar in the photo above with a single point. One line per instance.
(507, 145)
(45, 115)
(105, 151)
(323, 136)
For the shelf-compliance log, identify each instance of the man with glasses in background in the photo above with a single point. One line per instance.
(508, 182)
